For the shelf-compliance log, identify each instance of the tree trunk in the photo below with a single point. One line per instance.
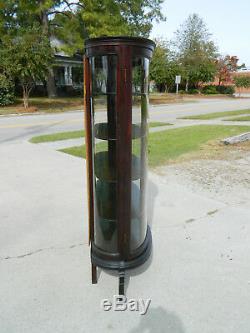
(25, 97)
(51, 86)
(240, 91)
(187, 84)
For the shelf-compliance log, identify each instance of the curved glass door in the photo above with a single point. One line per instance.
(103, 100)
(140, 74)
(104, 131)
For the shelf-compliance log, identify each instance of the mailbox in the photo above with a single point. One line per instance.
(116, 85)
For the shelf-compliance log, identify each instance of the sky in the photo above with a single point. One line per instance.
(227, 20)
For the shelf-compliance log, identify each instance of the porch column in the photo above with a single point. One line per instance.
(70, 81)
(66, 77)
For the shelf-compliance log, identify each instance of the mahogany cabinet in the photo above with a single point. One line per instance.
(116, 84)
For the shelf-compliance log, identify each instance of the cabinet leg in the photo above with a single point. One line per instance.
(121, 283)
(94, 274)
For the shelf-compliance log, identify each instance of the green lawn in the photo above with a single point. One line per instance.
(243, 118)
(62, 104)
(44, 104)
(215, 115)
(57, 136)
(158, 124)
(167, 146)
(75, 134)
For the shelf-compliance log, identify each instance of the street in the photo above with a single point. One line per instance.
(20, 128)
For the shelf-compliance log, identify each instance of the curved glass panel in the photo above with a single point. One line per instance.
(103, 74)
(140, 72)
(104, 149)
(140, 75)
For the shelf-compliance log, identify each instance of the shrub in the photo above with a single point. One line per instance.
(6, 96)
(6, 92)
(212, 90)
(209, 90)
(193, 91)
(242, 81)
(227, 90)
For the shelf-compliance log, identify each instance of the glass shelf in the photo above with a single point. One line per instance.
(106, 239)
(108, 227)
(106, 200)
(101, 132)
(108, 93)
(106, 234)
(105, 167)
(106, 216)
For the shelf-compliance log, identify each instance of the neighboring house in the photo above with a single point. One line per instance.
(68, 72)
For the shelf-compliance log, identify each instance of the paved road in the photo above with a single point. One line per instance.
(20, 128)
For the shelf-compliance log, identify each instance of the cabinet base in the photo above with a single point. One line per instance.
(141, 256)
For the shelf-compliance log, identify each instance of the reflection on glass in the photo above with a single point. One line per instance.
(104, 138)
(140, 75)
(105, 216)
(103, 70)
(103, 99)
(139, 150)
(104, 124)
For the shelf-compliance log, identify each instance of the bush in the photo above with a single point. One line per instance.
(193, 91)
(6, 96)
(212, 90)
(242, 81)
(6, 92)
(209, 90)
(227, 90)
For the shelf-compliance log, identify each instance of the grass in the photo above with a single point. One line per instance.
(243, 118)
(164, 98)
(75, 134)
(168, 146)
(62, 104)
(44, 104)
(57, 136)
(215, 115)
(158, 124)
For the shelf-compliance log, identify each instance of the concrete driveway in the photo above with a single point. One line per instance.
(199, 275)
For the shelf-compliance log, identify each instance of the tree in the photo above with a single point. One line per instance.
(6, 90)
(26, 58)
(242, 81)
(226, 66)
(73, 21)
(163, 67)
(196, 51)
(107, 17)
(140, 14)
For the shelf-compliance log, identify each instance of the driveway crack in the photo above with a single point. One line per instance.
(21, 256)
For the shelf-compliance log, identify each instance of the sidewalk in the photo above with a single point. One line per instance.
(57, 145)
(198, 279)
